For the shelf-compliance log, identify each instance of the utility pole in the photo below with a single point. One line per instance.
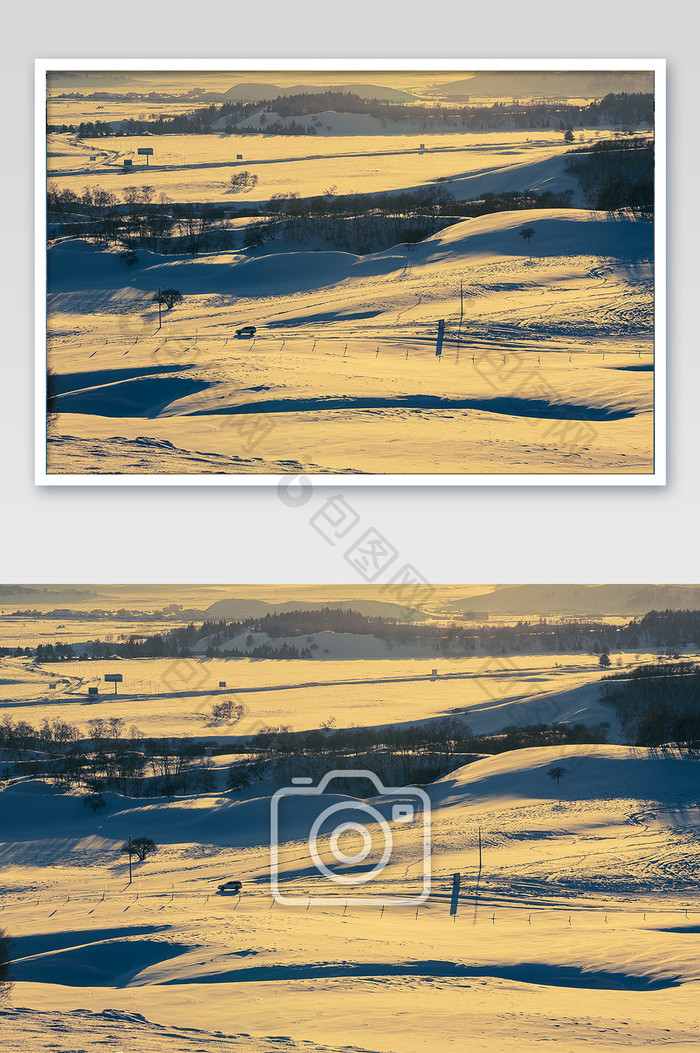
(130, 847)
(461, 301)
(440, 337)
(160, 308)
(479, 849)
(454, 899)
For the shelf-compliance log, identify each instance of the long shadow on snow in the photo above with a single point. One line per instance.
(110, 963)
(528, 972)
(45, 942)
(64, 382)
(139, 397)
(510, 406)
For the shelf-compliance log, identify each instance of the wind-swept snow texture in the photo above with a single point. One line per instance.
(579, 929)
(547, 365)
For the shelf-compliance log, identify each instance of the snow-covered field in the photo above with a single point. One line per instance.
(550, 369)
(175, 696)
(579, 931)
(575, 924)
(353, 154)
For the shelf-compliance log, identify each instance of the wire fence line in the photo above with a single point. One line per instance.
(312, 342)
(470, 905)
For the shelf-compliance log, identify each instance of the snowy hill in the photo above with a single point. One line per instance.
(580, 924)
(560, 328)
(596, 772)
(557, 232)
(250, 608)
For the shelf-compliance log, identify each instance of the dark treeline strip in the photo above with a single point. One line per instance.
(108, 760)
(658, 705)
(624, 110)
(399, 755)
(359, 223)
(100, 614)
(129, 763)
(137, 221)
(670, 630)
(364, 223)
(155, 646)
(616, 175)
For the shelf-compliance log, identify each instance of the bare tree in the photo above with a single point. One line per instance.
(169, 297)
(243, 180)
(555, 775)
(228, 710)
(141, 847)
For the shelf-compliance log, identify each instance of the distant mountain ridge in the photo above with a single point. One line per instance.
(252, 92)
(547, 83)
(585, 600)
(235, 608)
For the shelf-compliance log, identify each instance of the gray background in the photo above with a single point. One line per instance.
(473, 534)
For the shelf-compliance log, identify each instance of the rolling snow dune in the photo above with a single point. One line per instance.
(291, 272)
(76, 266)
(73, 264)
(342, 374)
(610, 771)
(70, 382)
(551, 940)
(558, 232)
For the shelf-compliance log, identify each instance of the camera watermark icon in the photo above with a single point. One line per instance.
(351, 842)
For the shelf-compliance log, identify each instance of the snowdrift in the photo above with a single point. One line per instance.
(75, 265)
(592, 772)
(557, 232)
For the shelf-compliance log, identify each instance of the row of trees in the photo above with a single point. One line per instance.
(110, 759)
(616, 175)
(363, 223)
(353, 222)
(658, 705)
(623, 110)
(135, 221)
(671, 630)
(398, 754)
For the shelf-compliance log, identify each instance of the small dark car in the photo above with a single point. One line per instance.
(229, 888)
(246, 330)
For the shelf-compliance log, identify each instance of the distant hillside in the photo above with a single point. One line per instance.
(250, 608)
(251, 92)
(10, 593)
(546, 84)
(586, 600)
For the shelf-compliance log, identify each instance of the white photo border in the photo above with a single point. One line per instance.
(657, 66)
